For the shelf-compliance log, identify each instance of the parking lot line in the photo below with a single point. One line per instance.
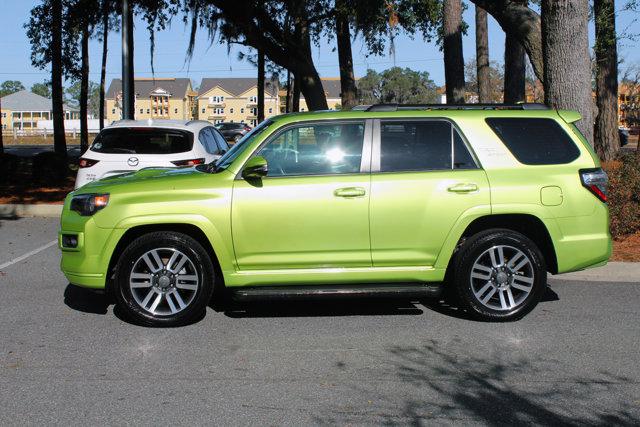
(28, 254)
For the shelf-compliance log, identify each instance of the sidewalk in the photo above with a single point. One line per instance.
(612, 272)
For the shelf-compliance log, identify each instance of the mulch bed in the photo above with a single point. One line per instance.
(627, 249)
(36, 195)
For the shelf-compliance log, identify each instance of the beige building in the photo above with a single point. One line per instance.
(332, 91)
(156, 98)
(23, 110)
(235, 100)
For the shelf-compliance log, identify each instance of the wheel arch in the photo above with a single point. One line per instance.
(528, 225)
(192, 230)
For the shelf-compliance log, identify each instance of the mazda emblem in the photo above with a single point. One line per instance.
(133, 161)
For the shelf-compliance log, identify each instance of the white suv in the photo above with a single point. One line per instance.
(129, 145)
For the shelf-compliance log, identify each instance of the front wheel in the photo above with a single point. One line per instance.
(500, 275)
(164, 279)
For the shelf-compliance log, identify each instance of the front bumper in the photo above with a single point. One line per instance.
(87, 264)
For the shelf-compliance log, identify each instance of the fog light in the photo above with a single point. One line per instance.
(70, 240)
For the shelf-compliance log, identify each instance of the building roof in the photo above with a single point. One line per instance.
(24, 100)
(237, 85)
(331, 86)
(176, 87)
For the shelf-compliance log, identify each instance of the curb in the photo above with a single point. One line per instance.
(613, 272)
(41, 211)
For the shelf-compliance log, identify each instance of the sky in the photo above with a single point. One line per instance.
(214, 60)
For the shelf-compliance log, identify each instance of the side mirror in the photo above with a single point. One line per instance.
(255, 168)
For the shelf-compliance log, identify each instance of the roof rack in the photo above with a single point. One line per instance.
(404, 107)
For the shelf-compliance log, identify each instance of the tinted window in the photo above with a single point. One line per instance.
(208, 141)
(535, 141)
(421, 145)
(223, 147)
(318, 149)
(142, 141)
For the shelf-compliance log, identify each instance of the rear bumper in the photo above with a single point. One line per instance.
(585, 241)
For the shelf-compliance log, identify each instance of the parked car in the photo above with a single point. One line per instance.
(233, 131)
(130, 145)
(623, 135)
(388, 201)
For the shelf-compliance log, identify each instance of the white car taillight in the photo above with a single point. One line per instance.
(190, 162)
(86, 163)
(595, 180)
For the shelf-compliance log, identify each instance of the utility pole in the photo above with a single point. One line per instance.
(128, 90)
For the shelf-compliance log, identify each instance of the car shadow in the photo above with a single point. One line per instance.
(86, 300)
(322, 308)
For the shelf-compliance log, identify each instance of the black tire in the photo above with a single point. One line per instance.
(478, 248)
(199, 263)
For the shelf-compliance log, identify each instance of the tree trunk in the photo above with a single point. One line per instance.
(606, 141)
(288, 99)
(348, 88)
(482, 55)
(103, 70)
(452, 46)
(1, 129)
(295, 101)
(59, 143)
(307, 78)
(567, 67)
(521, 22)
(84, 87)
(514, 68)
(260, 86)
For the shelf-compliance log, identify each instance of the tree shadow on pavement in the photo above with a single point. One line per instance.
(86, 300)
(493, 388)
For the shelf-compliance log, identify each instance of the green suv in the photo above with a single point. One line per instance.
(386, 200)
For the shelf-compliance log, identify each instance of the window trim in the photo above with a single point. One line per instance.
(377, 144)
(365, 160)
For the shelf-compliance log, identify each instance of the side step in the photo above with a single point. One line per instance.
(296, 292)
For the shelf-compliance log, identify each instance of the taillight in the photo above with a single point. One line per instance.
(190, 162)
(86, 163)
(595, 180)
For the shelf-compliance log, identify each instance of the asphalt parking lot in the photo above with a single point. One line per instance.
(67, 358)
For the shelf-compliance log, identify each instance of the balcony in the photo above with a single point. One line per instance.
(216, 104)
(216, 116)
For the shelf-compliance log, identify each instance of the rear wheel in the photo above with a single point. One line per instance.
(164, 279)
(500, 275)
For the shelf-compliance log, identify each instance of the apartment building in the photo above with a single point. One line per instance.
(332, 91)
(235, 100)
(23, 110)
(156, 98)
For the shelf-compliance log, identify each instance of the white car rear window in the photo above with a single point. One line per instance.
(142, 141)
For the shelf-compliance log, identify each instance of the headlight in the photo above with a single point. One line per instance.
(88, 204)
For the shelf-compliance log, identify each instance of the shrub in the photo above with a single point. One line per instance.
(49, 168)
(624, 194)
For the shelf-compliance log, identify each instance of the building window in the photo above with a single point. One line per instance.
(175, 110)
(113, 111)
(203, 111)
(4, 115)
(231, 110)
(141, 111)
(148, 111)
(270, 110)
(302, 109)
(242, 111)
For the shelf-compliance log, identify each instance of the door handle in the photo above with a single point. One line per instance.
(349, 192)
(463, 188)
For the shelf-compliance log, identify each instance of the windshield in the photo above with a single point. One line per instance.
(239, 147)
(142, 141)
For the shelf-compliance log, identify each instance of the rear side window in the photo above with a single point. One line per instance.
(422, 145)
(535, 141)
(142, 141)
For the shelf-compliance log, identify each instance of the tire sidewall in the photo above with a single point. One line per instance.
(184, 244)
(470, 254)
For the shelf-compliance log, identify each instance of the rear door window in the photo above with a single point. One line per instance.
(142, 141)
(535, 141)
(422, 146)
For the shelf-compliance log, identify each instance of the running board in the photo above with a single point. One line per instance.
(295, 292)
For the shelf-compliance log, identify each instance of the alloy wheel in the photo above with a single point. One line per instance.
(163, 281)
(502, 278)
